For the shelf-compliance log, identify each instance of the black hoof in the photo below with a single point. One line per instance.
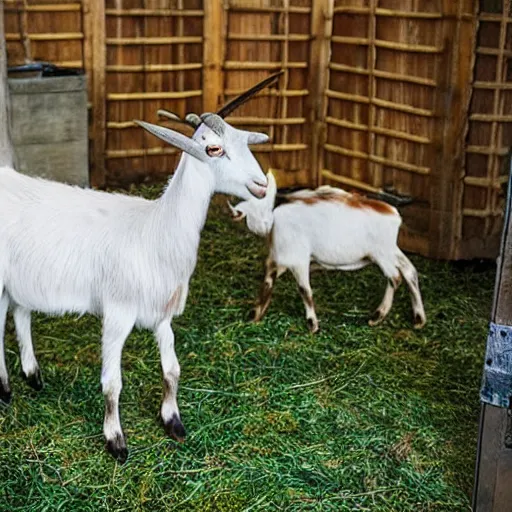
(419, 321)
(313, 326)
(376, 318)
(175, 429)
(117, 448)
(34, 380)
(5, 394)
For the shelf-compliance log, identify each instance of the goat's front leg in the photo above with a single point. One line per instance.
(272, 272)
(29, 364)
(171, 373)
(116, 328)
(301, 275)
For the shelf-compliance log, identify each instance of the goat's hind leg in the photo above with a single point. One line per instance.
(5, 388)
(410, 274)
(391, 272)
(301, 275)
(29, 365)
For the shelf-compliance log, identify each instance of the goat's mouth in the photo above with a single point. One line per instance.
(257, 189)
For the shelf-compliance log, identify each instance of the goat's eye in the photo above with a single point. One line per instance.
(214, 150)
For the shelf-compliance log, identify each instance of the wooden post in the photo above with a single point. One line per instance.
(213, 53)
(96, 53)
(493, 473)
(6, 150)
(321, 31)
(452, 107)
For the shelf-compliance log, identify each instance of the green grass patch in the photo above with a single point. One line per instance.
(353, 418)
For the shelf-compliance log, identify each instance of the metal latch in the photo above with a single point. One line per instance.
(497, 380)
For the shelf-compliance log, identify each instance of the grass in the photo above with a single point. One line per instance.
(353, 418)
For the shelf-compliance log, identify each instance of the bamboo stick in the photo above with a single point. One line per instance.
(342, 123)
(384, 74)
(122, 96)
(285, 51)
(23, 20)
(270, 92)
(492, 85)
(321, 29)
(392, 13)
(390, 45)
(71, 7)
(408, 109)
(278, 147)
(345, 180)
(486, 150)
(269, 37)
(155, 12)
(490, 118)
(127, 41)
(378, 159)
(137, 153)
(485, 182)
(263, 121)
(357, 98)
(264, 10)
(482, 50)
(153, 68)
(375, 170)
(236, 65)
(56, 36)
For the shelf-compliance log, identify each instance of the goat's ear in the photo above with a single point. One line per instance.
(257, 138)
(236, 215)
(176, 139)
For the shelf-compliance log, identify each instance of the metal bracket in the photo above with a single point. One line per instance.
(497, 380)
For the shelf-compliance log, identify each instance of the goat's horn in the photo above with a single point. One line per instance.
(169, 115)
(247, 95)
(193, 119)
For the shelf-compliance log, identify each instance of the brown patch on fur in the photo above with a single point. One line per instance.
(353, 200)
(173, 301)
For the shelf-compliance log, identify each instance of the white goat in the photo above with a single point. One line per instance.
(336, 230)
(126, 259)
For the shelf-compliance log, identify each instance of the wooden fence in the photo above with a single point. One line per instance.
(406, 95)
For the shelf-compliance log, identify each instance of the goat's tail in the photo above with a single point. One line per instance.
(258, 212)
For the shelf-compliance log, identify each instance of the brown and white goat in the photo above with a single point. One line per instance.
(335, 229)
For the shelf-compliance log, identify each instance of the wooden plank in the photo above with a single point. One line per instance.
(321, 30)
(452, 107)
(213, 54)
(96, 12)
(493, 469)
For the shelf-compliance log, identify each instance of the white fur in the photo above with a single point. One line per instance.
(333, 234)
(126, 259)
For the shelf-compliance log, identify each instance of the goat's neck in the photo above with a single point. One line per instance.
(184, 205)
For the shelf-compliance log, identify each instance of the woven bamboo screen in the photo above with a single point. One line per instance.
(376, 93)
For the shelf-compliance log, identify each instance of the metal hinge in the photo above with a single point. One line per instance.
(497, 380)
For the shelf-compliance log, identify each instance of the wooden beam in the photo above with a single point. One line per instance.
(94, 13)
(321, 31)
(213, 54)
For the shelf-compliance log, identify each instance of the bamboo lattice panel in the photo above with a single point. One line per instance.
(263, 36)
(390, 73)
(39, 30)
(490, 134)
